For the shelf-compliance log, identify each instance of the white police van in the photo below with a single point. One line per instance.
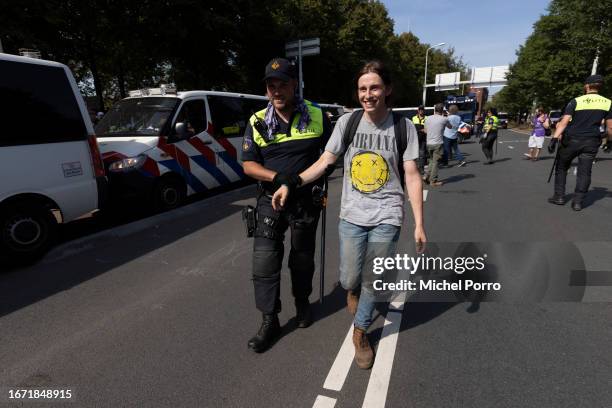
(50, 166)
(161, 145)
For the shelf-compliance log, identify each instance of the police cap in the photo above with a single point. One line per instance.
(594, 79)
(280, 68)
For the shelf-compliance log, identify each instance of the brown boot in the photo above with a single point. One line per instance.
(352, 300)
(364, 355)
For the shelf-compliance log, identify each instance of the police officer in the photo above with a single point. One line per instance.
(580, 137)
(491, 124)
(280, 142)
(419, 122)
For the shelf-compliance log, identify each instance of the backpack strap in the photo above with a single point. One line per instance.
(351, 129)
(401, 140)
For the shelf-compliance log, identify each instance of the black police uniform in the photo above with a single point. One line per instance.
(300, 215)
(581, 139)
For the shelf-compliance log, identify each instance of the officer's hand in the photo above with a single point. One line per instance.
(420, 239)
(552, 145)
(289, 180)
(279, 198)
(606, 147)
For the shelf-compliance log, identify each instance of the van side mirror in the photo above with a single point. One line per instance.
(180, 129)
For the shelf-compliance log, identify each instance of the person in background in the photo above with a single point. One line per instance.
(434, 129)
(540, 124)
(451, 142)
(490, 129)
(419, 123)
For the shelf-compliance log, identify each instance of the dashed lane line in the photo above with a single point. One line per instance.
(342, 364)
(324, 402)
(376, 393)
(378, 386)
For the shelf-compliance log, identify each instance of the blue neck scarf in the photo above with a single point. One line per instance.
(272, 120)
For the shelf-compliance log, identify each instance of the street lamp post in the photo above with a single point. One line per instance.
(425, 76)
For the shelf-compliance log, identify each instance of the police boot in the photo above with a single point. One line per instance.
(557, 199)
(303, 316)
(364, 355)
(352, 301)
(577, 205)
(267, 334)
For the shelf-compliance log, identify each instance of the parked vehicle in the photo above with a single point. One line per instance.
(333, 110)
(503, 120)
(51, 167)
(161, 146)
(554, 116)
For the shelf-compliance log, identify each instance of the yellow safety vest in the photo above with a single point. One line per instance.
(313, 129)
(593, 102)
(418, 120)
(489, 127)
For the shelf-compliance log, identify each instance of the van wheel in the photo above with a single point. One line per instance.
(169, 193)
(26, 233)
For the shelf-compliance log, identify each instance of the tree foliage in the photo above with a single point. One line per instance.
(113, 46)
(558, 56)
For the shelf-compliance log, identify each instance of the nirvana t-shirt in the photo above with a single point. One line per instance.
(371, 190)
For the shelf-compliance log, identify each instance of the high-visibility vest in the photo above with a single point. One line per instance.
(313, 129)
(417, 120)
(593, 102)
(491, 123)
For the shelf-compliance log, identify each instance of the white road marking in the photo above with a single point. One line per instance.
(376, 393)
(380, 376)
(339, 370)
(510, 147)
(324, 402)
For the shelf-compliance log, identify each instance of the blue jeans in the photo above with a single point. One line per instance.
(354, 241)
(449, 146)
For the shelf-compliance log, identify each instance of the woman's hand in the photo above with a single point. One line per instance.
(280, 198)
(420, 239)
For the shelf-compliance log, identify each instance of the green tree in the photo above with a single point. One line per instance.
(558, 55)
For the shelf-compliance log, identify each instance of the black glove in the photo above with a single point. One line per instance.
(290, 180)
(552, 145)
(607, 147)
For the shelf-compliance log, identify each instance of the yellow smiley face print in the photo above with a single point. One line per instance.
(369, 172)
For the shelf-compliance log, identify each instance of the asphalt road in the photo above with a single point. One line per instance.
(157, 313)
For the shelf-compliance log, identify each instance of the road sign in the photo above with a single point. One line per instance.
(309, 46)
(305, 52)
(310, 42)
(299, 49)
(446, 82)
(489, 76)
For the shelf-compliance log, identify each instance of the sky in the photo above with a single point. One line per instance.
(483, 33)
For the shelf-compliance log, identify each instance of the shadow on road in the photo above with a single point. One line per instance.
(457, 178)
(22, 287)
(594, 195)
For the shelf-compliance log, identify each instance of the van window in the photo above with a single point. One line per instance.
(193, 114)
(37, 105)
(137, 117)
(230, 114)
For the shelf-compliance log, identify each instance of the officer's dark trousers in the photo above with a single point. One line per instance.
(422, 151)
(487, 145)
(301, 217)
(586, 150)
